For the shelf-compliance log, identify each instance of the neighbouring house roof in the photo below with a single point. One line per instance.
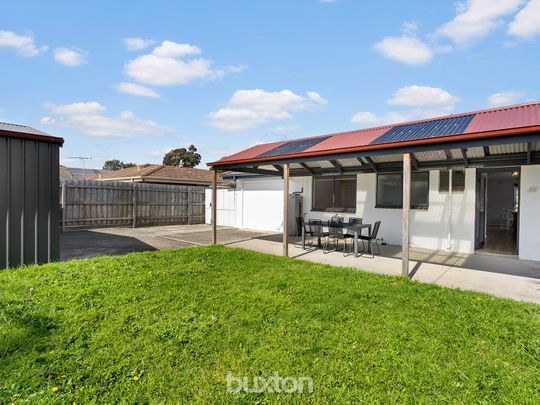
(25, 132)
(78, 173)
(491, 123)
(154, 173)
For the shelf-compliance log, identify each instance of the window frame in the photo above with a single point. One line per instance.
(455, 189)
(423, 207)
(334, 208)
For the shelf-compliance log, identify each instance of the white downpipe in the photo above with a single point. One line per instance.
(449, 246)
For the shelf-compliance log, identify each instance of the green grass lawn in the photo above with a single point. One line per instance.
(167, 327)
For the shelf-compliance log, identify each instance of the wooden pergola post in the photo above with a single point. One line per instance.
(406, 213)
(286, 209)
(214, 206)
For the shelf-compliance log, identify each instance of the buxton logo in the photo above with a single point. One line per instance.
(273, 384)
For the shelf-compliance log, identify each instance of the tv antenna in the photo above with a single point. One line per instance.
(83, 160)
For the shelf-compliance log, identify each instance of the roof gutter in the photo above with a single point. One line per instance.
(32, 137)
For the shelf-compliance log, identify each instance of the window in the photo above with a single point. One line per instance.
(458, 180)
(390, 190)
(334, 193)
(420, 190)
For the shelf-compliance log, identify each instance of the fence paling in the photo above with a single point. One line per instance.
(90, 203)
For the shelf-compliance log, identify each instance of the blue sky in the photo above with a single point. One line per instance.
(130, 80)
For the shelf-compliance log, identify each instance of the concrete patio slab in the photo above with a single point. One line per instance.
(499, 275)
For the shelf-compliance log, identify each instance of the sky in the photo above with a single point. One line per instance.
(132, 80)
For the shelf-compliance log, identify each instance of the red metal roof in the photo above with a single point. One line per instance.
(517, 116)
(515, 119)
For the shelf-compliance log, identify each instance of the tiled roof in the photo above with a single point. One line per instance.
(152, 172)
(78, 173)
(65, 174)
(515, 119)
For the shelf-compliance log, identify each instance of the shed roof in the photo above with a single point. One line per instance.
(26, 132)
(503, 121)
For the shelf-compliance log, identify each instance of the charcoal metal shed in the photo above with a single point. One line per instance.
(29, 200)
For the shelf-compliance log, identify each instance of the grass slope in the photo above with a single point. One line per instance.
(167, 326)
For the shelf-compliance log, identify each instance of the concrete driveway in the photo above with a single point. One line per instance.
(119, 241)
(500, 275)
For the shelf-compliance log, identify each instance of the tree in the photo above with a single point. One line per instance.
(115, 164)
(182, 157)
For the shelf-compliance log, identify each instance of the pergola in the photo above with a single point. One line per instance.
(504, 137)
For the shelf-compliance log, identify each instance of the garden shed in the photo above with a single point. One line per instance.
(29, 196)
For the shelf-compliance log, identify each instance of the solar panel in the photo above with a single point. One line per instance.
(426, 129)
(294, 146)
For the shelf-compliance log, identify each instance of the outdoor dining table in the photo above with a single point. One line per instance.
(355, 230)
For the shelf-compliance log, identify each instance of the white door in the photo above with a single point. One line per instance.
(262, 205)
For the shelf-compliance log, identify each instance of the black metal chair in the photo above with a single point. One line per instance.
(372, 239)
(306, 227)
(316, 228)
(352, 221)
(335, 234)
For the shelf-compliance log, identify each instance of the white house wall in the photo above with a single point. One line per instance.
(255, 203)
(429, 228)
(529, 222)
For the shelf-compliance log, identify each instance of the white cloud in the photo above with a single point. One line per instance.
(477, 18)
(249, 108)
(89, 119)
(420, 102)
(136, 90)
(70, 57)
(137, 44)
(406, 48)
(505, 98)
(316, 97)
(170, 49)
(526, 24)
(423, 96)
(168, 65)
(23, 44)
